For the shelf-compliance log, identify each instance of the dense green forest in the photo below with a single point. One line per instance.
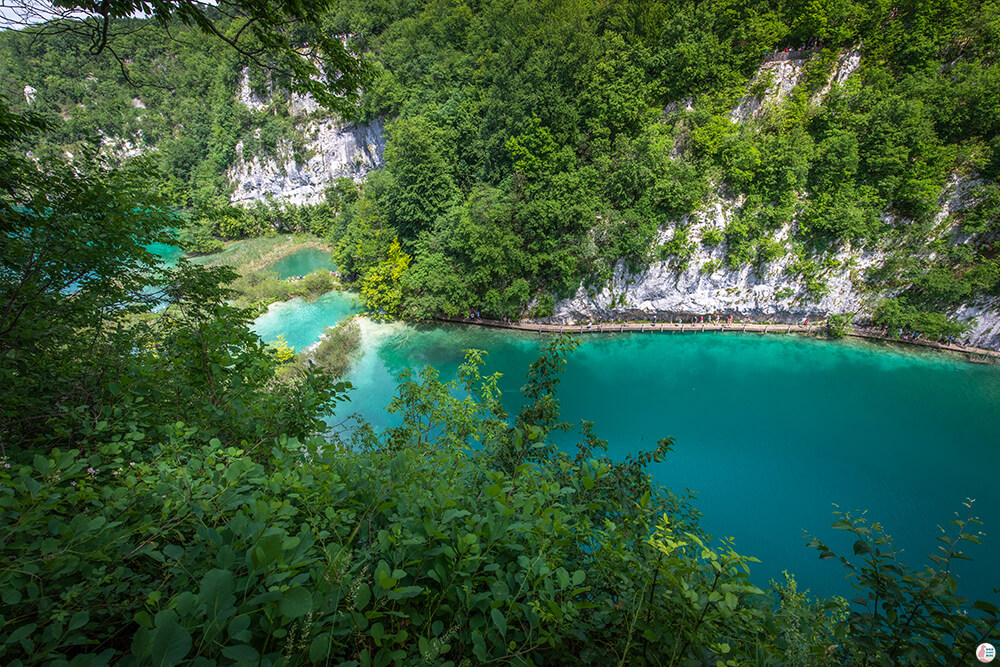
(168, 496)
(529, 150)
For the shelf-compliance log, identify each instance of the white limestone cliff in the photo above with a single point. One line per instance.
(707, 287)
(332, 149)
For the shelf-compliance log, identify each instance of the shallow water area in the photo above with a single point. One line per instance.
(771, 431)
(302, 262)
(167, 253)
(302, 322)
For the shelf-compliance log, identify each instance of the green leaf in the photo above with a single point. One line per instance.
(453, 514)
(266, 551)
(239, 628)
(20, 633)
(217, 587)
(363, 596)
(861, 548)
(185, 603)
(499, 621)
(295, 602)
(174, 551)
(320, 647)
(242, 653)
(985, 606)
(78, 620)
(171, 642)
(42, 464)
(405, 592)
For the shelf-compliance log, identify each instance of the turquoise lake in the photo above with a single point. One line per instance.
(302, 262)
(771, 431)
(167, 253)
(302, 322)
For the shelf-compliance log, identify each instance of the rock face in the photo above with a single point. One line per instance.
(772, 292)
(705, 286)
(334, 150)
(985, 319)
(779, 75)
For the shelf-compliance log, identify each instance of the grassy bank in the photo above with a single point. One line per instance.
(259, 289)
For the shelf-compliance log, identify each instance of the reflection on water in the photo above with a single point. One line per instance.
(302, 262)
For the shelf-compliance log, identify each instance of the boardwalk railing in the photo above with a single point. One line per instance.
(975, 353)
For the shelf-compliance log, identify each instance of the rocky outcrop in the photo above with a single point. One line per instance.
(777, 291)
(984, 318)
(332, 150)
(707, 286)
(778, 76)
(773, 292)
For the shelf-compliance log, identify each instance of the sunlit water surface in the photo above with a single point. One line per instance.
(772, 432)
(302, 262)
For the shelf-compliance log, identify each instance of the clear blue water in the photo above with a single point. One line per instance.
(302, 322)
(168, 253)
(302, 262)
(771, 431)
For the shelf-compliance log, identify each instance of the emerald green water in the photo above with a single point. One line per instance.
(302, 262)
(168, 253)
(301, 322)
(771, 431)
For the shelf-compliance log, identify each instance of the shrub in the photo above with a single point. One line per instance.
(839, 324)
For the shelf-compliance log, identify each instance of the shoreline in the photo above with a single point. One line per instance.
(973, 354)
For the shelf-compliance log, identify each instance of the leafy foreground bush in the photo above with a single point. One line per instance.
(455, 539)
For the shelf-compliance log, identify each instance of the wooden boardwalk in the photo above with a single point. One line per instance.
(975, 353)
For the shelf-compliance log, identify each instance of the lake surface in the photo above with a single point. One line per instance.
(302, 322)
(166, 252)
(771, 431)
(302, 262)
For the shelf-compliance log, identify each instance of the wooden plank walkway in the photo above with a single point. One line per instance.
(975, 353)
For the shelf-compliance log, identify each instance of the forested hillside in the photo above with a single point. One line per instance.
(534, 148)
(169, 496)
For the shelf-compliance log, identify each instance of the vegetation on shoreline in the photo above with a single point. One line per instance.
(333, 354)
(256, 287)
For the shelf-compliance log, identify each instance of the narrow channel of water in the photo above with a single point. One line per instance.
(771, 431)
